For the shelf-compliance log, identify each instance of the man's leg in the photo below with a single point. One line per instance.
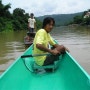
(50, 59)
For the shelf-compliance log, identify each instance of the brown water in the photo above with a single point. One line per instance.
(78, 42)
(11, 46)
(76, 39)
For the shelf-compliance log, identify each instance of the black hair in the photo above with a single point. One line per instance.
(31, 14)
(47, 20)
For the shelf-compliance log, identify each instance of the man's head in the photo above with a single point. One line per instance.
(31, 15)
(48, 23)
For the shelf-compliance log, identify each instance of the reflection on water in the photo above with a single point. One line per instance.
(72, 36)
(76, 39)
(11, 46)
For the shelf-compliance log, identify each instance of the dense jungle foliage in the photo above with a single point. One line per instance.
(18, 20)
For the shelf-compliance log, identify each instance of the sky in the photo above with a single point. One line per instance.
(48, 7)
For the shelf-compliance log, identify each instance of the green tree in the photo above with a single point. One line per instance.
(5, 16)
(20, 19)
(81, 19)
(38, 24)
(18, 12)
(77, 19)
(4, 10)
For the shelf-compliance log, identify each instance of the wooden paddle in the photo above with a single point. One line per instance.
(34, 55)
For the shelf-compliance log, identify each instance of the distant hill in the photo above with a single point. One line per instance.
(61, 19)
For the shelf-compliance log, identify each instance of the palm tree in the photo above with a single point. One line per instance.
(4, 10)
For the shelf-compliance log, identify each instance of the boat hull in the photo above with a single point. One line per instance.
(69, 76)
(28, 39)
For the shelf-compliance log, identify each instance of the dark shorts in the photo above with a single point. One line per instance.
(31, 29)
(50, 59)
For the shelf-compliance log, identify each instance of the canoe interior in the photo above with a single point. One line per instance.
(69, 76)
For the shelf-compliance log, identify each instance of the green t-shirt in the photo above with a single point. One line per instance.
(44, 38)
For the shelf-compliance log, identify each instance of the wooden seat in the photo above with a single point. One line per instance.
(32, 66)
(52, 66)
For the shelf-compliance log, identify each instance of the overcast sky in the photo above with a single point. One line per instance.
(48, 7)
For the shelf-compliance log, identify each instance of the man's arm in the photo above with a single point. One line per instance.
(41, 47)
(29, 23)
(57, 46)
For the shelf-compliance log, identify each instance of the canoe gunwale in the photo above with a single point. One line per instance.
(2, 75)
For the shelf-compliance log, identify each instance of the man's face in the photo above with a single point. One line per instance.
(49, 26)
(31, 16)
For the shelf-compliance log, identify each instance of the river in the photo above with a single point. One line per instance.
(76, 39)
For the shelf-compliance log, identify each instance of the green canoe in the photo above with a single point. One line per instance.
(69, 76)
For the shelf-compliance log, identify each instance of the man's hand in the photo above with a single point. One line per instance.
(67, 49)
(54, 52)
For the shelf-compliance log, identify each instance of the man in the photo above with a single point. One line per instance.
(31, 23)
(41, 44)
